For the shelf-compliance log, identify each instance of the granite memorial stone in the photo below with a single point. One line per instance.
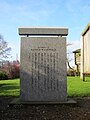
(43, 65)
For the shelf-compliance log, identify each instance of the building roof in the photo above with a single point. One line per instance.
(86, 29)
(77, 51)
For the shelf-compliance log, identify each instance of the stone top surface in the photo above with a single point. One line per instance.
(43, 31)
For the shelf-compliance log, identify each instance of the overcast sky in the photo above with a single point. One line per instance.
(73, 14)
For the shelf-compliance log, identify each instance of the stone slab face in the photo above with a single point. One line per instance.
(43, 31)
(43, 69)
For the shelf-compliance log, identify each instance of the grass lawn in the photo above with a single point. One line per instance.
(75, 87)
(10, 87)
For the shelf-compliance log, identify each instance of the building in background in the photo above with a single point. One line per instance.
(77, 58)
(85, 51)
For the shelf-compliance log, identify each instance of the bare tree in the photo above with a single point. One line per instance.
(68, 57)
(4, 49)
(68, 62)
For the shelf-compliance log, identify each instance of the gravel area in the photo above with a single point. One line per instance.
(79, 111)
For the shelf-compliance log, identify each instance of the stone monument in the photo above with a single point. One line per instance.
(43, 75)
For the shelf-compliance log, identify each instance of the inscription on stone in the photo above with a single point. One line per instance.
(44, 68)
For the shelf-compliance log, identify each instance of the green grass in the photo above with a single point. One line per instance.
(75, 87)
(10, 87)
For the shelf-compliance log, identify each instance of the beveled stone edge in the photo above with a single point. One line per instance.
(43, 31)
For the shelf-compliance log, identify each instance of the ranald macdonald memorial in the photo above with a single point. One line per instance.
(43, 75)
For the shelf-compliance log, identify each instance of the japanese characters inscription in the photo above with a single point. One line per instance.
(44, 68)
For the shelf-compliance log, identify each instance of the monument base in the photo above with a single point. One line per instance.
(18, 101)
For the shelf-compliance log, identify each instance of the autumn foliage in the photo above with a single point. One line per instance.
(12, 69)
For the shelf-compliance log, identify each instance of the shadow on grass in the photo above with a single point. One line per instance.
(2, 85)
(9, 87)
(87, 79)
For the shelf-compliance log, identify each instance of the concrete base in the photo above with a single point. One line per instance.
(18, 101)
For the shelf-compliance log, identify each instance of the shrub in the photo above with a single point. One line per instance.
(70, 72)
(15, 71)
(11, 69)
(3, 76)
